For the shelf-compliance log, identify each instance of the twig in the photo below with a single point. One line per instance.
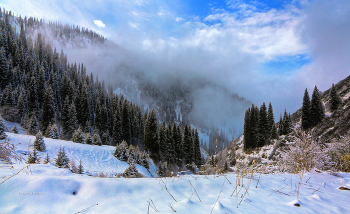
(195, 191)
(325, 183)
(307, 180)
(86, 209)
(168, 190)
(152, 205)
(14, 174)
(258, 180)
(316, 190)
(172, 208)
(218, 197)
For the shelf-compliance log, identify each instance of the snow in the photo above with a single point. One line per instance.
(44, 188)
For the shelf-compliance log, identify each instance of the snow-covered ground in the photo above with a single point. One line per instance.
(44, 188)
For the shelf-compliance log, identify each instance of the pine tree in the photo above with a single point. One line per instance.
(96, 140)
(178, 145)
(77, 136)
(33, 157)
(335, 100)
(305, 111)
(280, 126)
(3, 68)
(247, 131)
(316, 110)
(151, 135)
(126, 122)
(122, 151)
(62, 160)
(48, 109)
(162, 141)
(274, 133)
(188, 150)
(287, 125)
(39, 143)
(130, 171)
(54, 132)
(170, 144)
(270, 118)
(264, 133)
(73, 123)
(80, 168)
(88, 138)
(197, 151)
(47, 159)
(33, 126)
(117, 128)
(254, 127)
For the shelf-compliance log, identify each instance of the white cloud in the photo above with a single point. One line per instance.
(135, 13)
(178, 19)
(99, 23)
(161, 13)
(133, 25)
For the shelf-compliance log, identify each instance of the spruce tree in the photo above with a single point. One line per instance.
(88, 138)
(270, 118)
(188, 150)
(47, 159)
(126, 122)
(39, 143)
(197, 157)
(162, 141)
(80, 168)
(96, 140)
(170, 144)
(14, 129)
(73, 167)
(335, 100)
(62, 160)
(122, 151)
(78, 136)
(48, 109)
(117, 128)
(247, 130)
(280, 126)
(33, 126)
(264, 133)
(274, 133)
(287, 125)
(316, 110)
(254, 126)
(33, 157)
(305, 111)
(54, 132)
(151, 135)
(179, 145)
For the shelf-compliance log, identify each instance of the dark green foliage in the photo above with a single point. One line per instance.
(117, 128)
(264, 132)
(33, 157)
(130, 171)
(39, 143)
(178, 141)
(62, 160)
(335, 100)
(3, 68)
(126, 122)
(151, 133)
(280, 126)
(122, 151)
(286, 123)
(305, 111)
(188, 145)
(78, 136)
(274, 133)
(80, 168)
(270, 118)
(162, 141)
(88, 138)
(316, 110)
(33, 126)
(47, 159)
(54, 132)
(2, 128)
(196, 150)
(48, 109)
(247, 130)
(96, 140)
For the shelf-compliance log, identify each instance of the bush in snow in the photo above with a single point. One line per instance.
(54, 132)
(77, 136)
(39, 143)
(122, 151)
(7, 151)
(14, 129)
(96, 140)
(301, 155)
(336, 155)
(33, 157)
(62, 160)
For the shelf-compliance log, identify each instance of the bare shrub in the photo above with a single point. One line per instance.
(7, 151)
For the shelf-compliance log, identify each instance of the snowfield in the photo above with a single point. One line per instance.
(44, 188)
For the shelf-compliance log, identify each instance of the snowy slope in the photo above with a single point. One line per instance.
(95, 159)
(47, 189)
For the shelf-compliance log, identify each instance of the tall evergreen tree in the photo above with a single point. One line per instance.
(247, 130)
(316, 110)
(280, 126)
(62, 160)
(270, 118)
(48, 109)
(162, 141)
(39, 143)
(274, 133)
(151, 135)
(126, 122)
(287, 124)
(197, 158)
(117, 128)
(335, 100)
(188, 145)
(264, 133)
(305, 111)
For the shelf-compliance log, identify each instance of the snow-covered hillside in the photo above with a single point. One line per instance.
(44, 188)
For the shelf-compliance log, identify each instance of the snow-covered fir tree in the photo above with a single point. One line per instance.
(33, 157)
(62, 160)
(78, 136)
(96, 140)
(54, 132)
(80, 168)
(15, 129)
(122, 151)
(2, 128)
(335, 100)
(130, 171)
(73, 167)
(88, 138)
(47, 159)
(39, 143)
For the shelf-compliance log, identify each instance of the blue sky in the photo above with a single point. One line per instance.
(264, 50)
